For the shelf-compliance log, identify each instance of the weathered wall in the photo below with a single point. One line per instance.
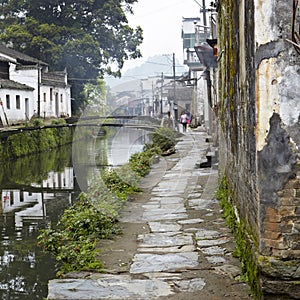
(259, 113)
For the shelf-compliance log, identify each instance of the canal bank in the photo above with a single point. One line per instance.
(175, 243)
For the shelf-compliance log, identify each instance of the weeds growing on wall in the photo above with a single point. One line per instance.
(244, 244)
(95, 215)
(35, 141)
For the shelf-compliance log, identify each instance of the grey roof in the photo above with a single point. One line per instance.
(13, 85)
(20, 57)
(54, 79)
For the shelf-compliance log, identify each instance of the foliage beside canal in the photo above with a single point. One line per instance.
(35, 141)
(95, 215)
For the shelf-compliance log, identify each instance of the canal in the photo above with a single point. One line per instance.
(35, 190)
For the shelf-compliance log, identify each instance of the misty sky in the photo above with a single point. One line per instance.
(161, 21)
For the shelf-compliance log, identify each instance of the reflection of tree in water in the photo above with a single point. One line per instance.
(22, 263)
(35, 168)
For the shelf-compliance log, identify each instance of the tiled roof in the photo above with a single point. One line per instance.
(13, 85)
(20, 56)
(54, 79)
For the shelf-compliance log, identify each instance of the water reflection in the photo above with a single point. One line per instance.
(34, 190)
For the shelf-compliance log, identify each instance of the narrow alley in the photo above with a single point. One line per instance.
(175, 244)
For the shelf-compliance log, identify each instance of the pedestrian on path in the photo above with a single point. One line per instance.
(183, 120)
(168, 121)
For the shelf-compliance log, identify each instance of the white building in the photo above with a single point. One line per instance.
(27, 87)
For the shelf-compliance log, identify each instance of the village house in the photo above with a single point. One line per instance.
(27, 88)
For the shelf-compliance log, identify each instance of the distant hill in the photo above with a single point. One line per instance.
(154, 66)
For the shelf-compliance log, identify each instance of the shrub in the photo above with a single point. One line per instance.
(164, 138)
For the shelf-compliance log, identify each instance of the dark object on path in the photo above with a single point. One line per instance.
(206, 164)
(170, 151)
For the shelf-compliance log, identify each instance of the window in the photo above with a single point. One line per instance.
(7, 101)
(51, 94)
(61, 98)
(18, 102)
(45, 97)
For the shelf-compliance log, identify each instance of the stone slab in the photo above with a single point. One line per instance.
(165, 239)
(108, 287)
(177, 249)
(164, 226)
(145, 263)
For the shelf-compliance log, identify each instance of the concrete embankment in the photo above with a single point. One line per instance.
(182, 248)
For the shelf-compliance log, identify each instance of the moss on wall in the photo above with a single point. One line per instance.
(245, 242)
(31, 142)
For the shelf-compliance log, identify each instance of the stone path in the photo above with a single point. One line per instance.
(187, 254)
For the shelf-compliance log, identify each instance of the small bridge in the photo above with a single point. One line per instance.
(139, 122)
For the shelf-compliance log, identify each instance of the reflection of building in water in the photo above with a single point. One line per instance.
(31, 204)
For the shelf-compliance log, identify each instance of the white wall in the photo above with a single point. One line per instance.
(13, 114)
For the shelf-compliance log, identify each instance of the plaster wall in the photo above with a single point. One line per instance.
(259, 123)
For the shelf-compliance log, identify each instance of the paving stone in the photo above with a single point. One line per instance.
(216, 259)
(168, 199)
(207, 234)
(164, 226)
(194, 195)
(199, 204)
(163, 276)
(144, 263)
(215, 250)
(166, 239)
(108, 287)
(176, 249)
(190, 221)
(159, 217)
(193, 285)
(209, 243)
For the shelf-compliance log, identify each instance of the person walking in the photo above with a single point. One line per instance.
(183, 120)
(168, 121)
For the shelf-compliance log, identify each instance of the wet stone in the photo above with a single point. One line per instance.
(194, 195)
(144, 263)
(164, 226)
(168, 199)
(207, 234)
(175, 249)
(163, 276)
(199, 204)
(216, 259)
(170, 216)
(215, 250)
(190, 221)
(108, 287)
(168, 239)
(209, 243)
(193, 285)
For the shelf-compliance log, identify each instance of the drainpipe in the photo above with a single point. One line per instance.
(39, 91)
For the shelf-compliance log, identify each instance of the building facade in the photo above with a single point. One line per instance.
(28, 88)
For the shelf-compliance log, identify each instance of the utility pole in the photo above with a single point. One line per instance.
(175, 105)
(174, 78)
(161, 93)
(204, 17)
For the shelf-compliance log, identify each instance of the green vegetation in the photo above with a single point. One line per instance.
(89, 38)
(164, 138)
(94, 216)
(31, 142)
(245, 247)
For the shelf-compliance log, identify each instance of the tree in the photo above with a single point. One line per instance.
(95, 95)
(88, 37)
